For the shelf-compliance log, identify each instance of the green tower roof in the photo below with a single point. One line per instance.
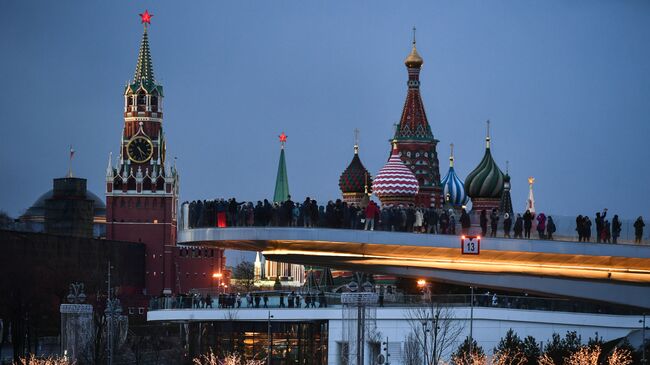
(144, 68)
(143, 76)
(281, 181)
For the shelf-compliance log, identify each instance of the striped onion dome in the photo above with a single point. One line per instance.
(355, 178)
(395, 184)
(453, 188)
(486, 181)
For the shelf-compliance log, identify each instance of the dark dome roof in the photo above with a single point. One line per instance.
(38, 208)
(486, 181)
(355, 177)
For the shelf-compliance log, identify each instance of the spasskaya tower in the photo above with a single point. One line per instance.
(142, 188)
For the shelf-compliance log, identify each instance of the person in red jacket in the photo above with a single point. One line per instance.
(372, 211)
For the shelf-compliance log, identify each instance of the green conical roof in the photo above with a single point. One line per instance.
(281, 181)
(144, 68)
(143, 76)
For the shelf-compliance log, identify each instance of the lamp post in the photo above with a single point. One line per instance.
(217, 275)
(424, 331)
(643, 359)
(426, 288)
(268, 334)
(435, 337)
(471, 319)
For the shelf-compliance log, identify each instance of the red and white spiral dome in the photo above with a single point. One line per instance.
(395, 184)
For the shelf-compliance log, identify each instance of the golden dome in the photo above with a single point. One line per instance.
(414, 59)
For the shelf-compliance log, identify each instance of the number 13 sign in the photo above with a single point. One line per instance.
(470, 245)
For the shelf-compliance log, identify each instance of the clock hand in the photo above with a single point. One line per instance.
(141, 151)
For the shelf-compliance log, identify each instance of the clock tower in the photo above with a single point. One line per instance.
(142, 187)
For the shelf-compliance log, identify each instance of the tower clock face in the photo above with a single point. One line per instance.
(139, 149)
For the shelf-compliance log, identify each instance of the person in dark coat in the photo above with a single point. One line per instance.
(494, 223)
(519, 226)
(616, 228)
(600, 224)
(483, 222)
(465, 222)
(550, 228)
(638, 229)
(587, 229)
(579, 227)
(528, 223)
(541, 225)
(507, 223)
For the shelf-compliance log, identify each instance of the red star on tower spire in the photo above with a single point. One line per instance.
(145, 17)
(283, 139)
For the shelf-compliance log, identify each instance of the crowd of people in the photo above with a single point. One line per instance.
(340, 214)
(310, 299)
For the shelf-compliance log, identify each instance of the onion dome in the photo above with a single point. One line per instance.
(355, 178)
(486, 181)
(414, 60)
(395, 184)
(453, 188)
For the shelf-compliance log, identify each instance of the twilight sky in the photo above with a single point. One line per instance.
(566, 85)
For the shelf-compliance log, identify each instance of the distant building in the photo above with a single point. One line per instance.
(70, 208)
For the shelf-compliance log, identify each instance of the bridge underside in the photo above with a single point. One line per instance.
(617, 274)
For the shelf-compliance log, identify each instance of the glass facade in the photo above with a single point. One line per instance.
(291, 342)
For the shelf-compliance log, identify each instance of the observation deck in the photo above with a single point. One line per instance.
(611, 273)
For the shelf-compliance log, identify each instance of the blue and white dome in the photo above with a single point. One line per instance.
(453, 188)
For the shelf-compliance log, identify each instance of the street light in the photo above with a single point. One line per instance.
(643, 360)
(268, 334)
(217, 275)
(471, 319)
(424, 331)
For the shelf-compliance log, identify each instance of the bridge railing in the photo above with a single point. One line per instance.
(304, 301)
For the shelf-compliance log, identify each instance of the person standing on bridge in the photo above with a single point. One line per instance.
(519, 226)
(528, 223)
(372, 211)
(465, 222)
(541, 225)
(507, 223)
(483, 222)
(494, 222)
(600, 224)
(550, 228)
(638, 229)
(616, 228)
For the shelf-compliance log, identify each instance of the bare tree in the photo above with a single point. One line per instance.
(435, 330)
(245, 274)
(412, 351)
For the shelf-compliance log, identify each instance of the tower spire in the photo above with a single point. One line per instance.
(487, 138)
(451, 155)
(144, 67)
(281, 193)
(356, 141)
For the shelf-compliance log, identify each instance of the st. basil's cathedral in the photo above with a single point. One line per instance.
(411, 176)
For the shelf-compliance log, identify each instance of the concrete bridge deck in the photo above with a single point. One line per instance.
(605, 272)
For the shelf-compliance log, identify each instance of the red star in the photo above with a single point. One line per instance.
(283, 137)
(146, 17)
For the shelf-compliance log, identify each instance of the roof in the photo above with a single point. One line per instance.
(486, 181)
(37, 210)
(355, 177)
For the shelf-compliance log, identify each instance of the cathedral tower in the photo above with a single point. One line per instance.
(415, 142)
(142, 188)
